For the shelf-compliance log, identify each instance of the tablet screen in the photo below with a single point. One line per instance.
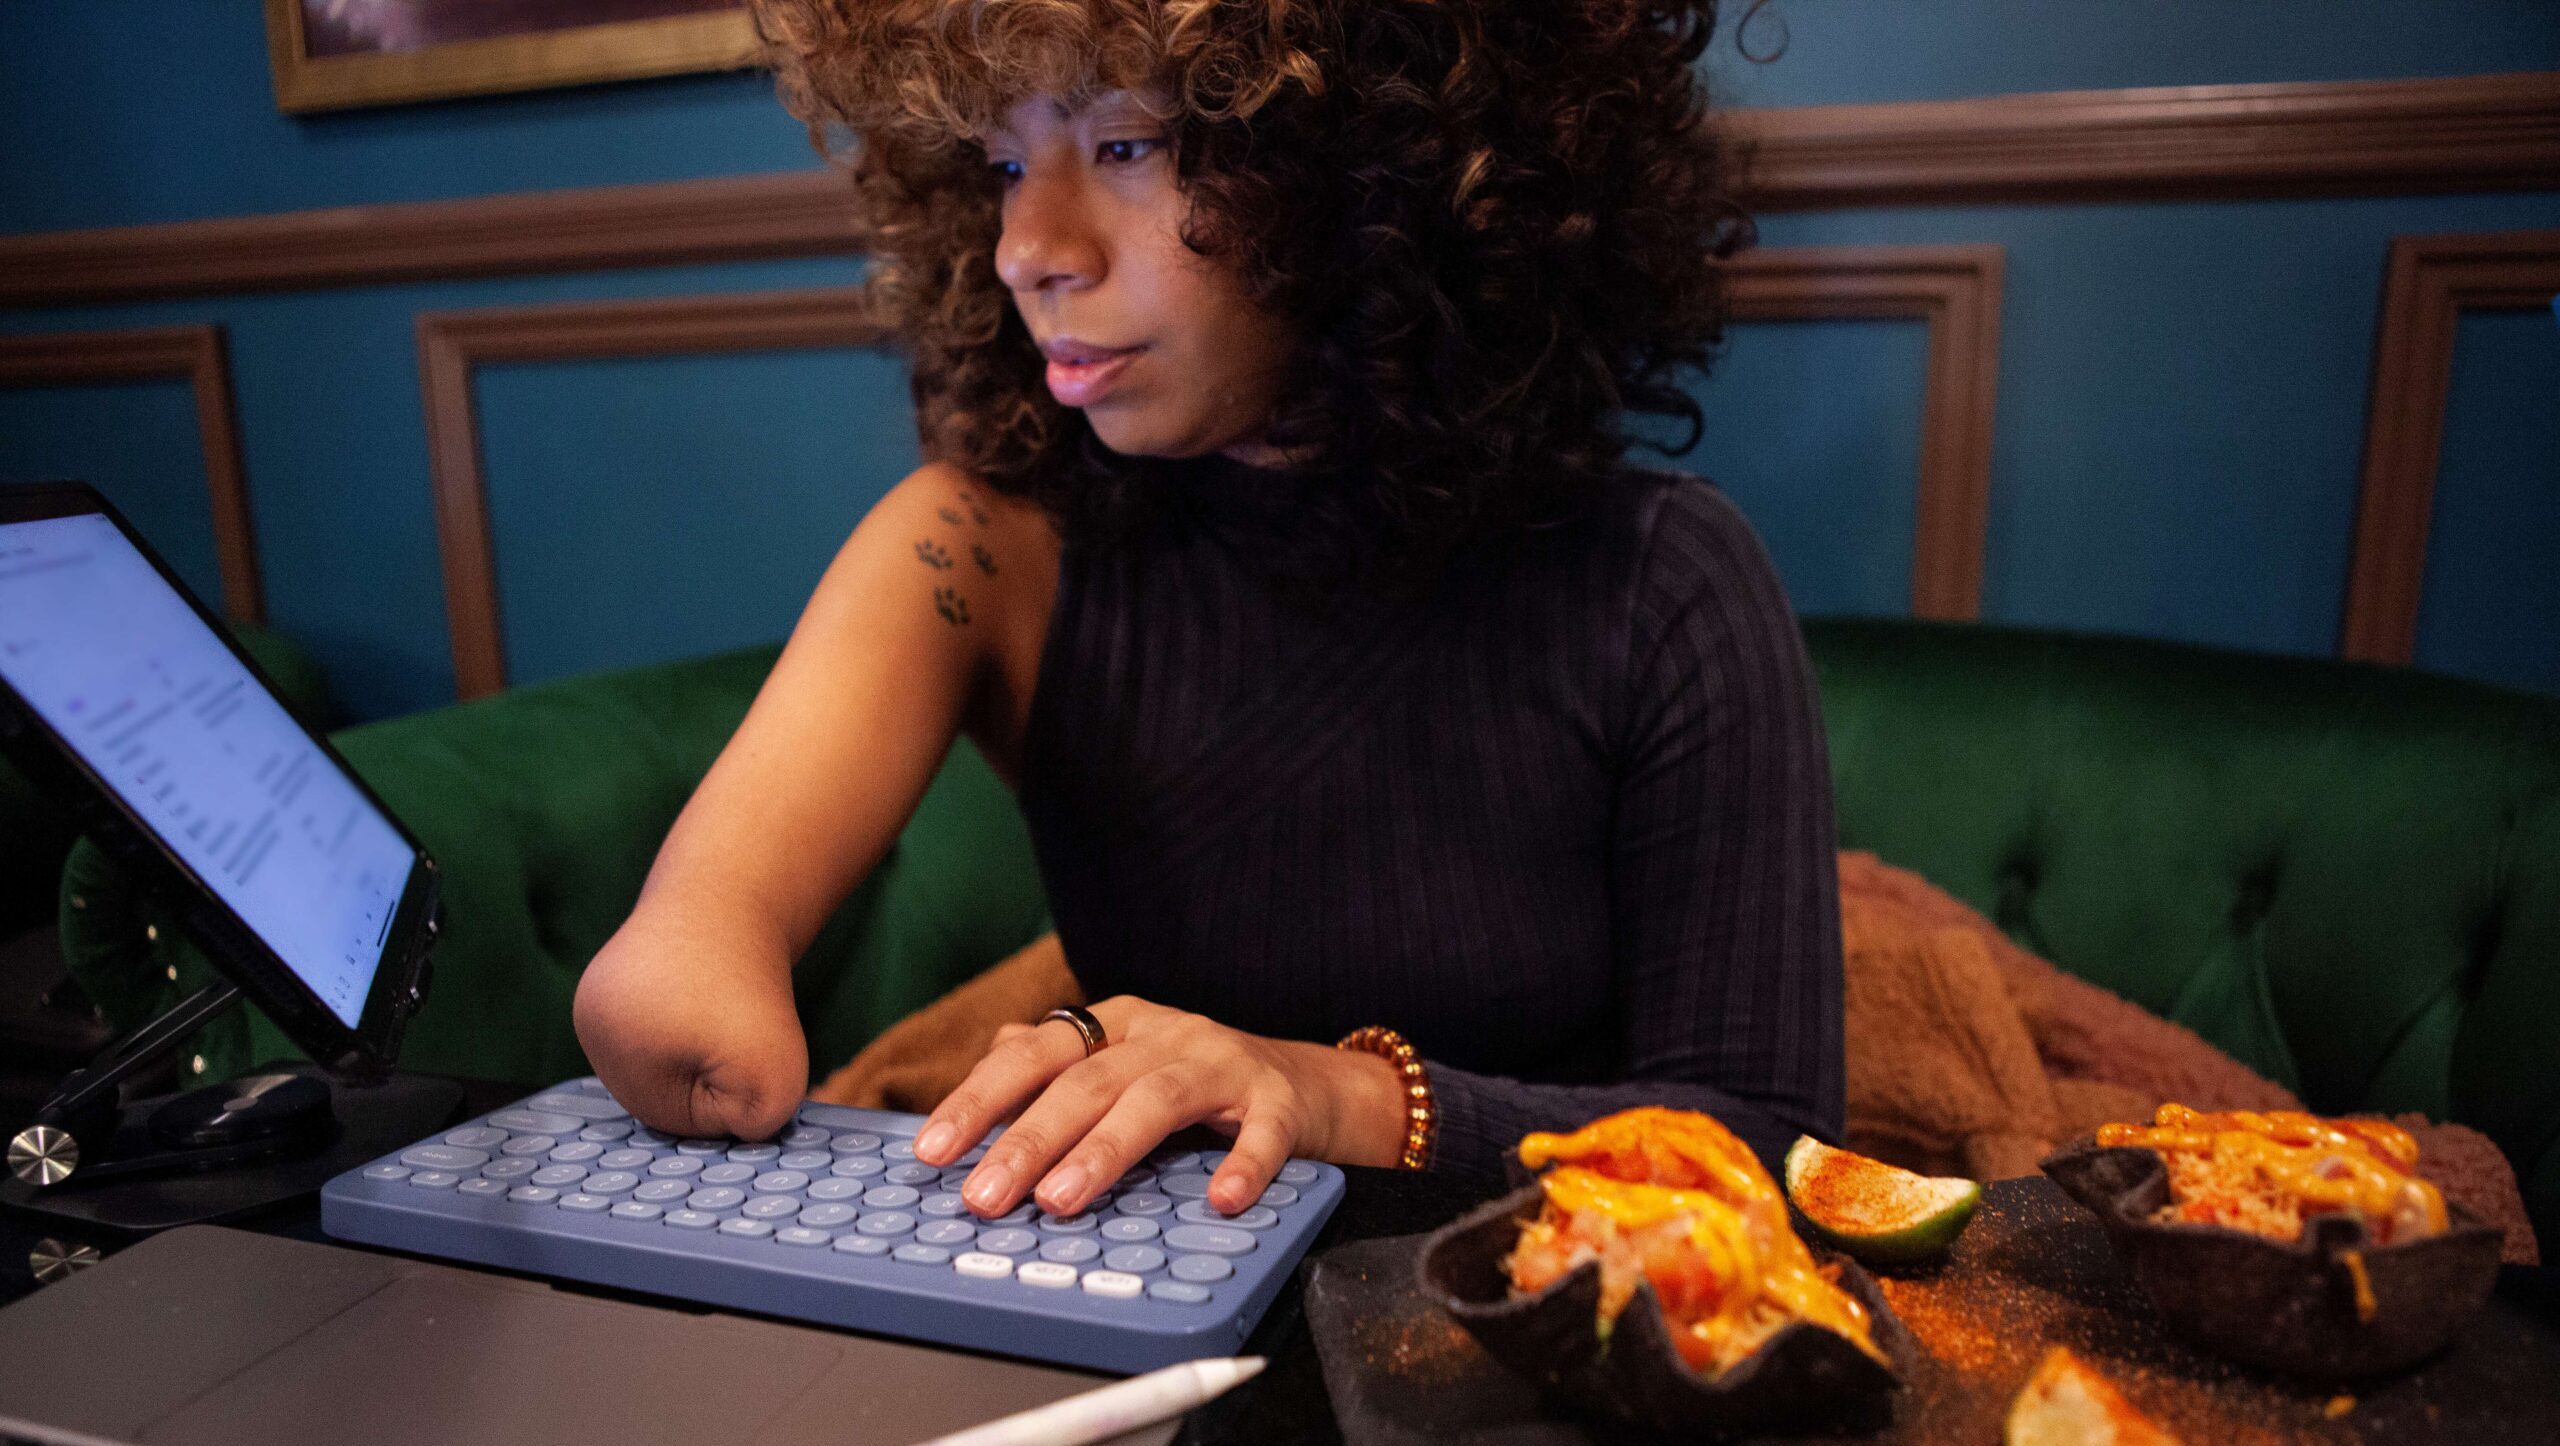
(117, 663)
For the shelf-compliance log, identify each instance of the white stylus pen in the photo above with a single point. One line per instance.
(1106, 1411)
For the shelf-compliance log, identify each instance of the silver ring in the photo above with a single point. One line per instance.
(1088, 1028)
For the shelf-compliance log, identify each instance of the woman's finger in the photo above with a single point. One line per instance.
(1150, 1107)
(1051, 1125)
(1262, 1147)
(1007, 1079)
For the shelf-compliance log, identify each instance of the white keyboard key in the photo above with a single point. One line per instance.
(1048, 1274)
(980, 1264)
(1114, 1284)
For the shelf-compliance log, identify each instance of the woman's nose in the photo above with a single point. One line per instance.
(1048, 241)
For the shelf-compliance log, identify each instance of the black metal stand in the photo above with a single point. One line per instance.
(78, 1123)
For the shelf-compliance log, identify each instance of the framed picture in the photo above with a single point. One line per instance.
(338, 54)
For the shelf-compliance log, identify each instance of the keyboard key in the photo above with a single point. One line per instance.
(1134, 1259)
(899, 1149)
(885, 1223)
(1179, 1292)
(690, 1220)
(913, 1173)
(434, 1179)
(482, 1186)
(476, 1137)
(805, 1160)
(636, 1210)
(702, 1147)
(528, 1145)
(609, 1182)
(1079, 1223)
(779, 1182)
(727, 1174)
(890, 1197)
(1189, 1185)
(674, 1165)
(608, 1132)
(577, 1102)
(862, 1245)
(858, 1167)
(1022, 1214)
(956, 1178)
(577, 1151)
(443, 1157)
(1113, 1284)
(771, 1207)
(741, 1225)
(914, 1254)
(1012, 1240)
(855, 1143)
(943, 1206)
(662, 1191)
(1145, 1202)
(556, 1175)
(982, 1266)
(386, 1172)
(832, 1189)
(827, 1216)
(584, 1203)
(512, 1168)
(1140, 1178)
(754, 1154)
(974, 1155)
(1200, 1269)
(800, 1235)
(1279, 1197)
(1209, 1239)
(721, 1197)
(1179, 1160)
(1297, 1172)
(1251, 1217)
(624, 1160)
(1048, 1274)
(653, 1139)
(1210, 1160)
(946, 1232)
(532, 1195)
(537, 1122)
(1126, 1228)
(1070, 1250)
(804, 1137)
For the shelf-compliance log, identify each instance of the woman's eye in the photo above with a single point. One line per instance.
(1126, 151)
(1006, 171)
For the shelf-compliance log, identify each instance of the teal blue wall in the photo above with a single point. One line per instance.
(2182, 386)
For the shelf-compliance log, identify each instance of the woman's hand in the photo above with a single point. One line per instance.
(1083, 1122)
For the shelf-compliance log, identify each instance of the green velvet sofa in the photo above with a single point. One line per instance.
(2347, 876)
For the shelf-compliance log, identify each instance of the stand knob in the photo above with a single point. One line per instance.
(43, 1155)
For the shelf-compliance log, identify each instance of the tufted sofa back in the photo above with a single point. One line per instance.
(2347, 876)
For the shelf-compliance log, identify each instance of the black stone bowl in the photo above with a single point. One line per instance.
(1801, 1378)
(2283, 1305)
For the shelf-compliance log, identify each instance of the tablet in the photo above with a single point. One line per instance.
(122, 697)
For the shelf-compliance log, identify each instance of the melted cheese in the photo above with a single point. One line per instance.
(2265, 1171)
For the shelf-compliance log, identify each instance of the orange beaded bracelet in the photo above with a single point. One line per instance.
(1420, 1118)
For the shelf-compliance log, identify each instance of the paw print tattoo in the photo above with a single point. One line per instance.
(953, 607)
(977, 513)
(932, 555)
(947, 515)
(986, 560)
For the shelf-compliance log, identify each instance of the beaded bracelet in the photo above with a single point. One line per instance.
(1421, 1119)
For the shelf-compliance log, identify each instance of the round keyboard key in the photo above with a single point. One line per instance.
(537, 1122)
(608, 1132)
(510, 1169)
(1145, 1202)
(675, 1165)
(955, 1179)
(890, 1197)
(804, 1137)
(690, 1219)
(827, 1215)
(1048, 1274)
(1179, 1292)
(800, 1235)
(899, 1149)
(435, 1179)
(1114, 1284)
(1079, 1223)
(862, 1245)
(636, 1210)
(886, 1223)
(1186, 1185)
(1209, 1240)
(653, 1139)
(858, 1167)
(727, 1174)
(1141, 1178)
(756, 1154)
(1200, 1269)
(834, 1189)
(943, 1206)
(946, 1232)
(855, 1143)
(974, 1155)
(912, 1173)
(979, 1265)
(702, 1147)
(528, 1145)
(583, 1105)
(1278, 1197)
(1297, 1172)
(1011, 1240)
(770, 1207)
(1133, 1259)
(1128, 1228)
(577, 1152)
(532, 1195)
(741, 1225)
(557, 1175)
(443, 1157)
(1210, 1160)
(1071, 1250)
(584, 1203)
(477, 1137)
(913, 1254)
(715, 1197)
(779, 1182)
(661, 1191)
(1251, 1217)
(1177, 1161)
(386, 1172)
(805, 1160)
(624, 1160)
(481, 1186)
(1022, 1214)
(610, 1182)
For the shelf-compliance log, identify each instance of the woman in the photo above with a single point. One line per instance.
(1276, 361)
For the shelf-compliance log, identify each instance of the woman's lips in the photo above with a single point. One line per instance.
(1082, 383)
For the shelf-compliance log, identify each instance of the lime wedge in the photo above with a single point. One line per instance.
(1879, 1214)
(2065, 1403)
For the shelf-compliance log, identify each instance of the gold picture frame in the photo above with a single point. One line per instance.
(575, 54)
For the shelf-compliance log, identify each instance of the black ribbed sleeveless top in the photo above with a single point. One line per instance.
(1564, 821)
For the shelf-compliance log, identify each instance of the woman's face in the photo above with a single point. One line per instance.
(1157, 346)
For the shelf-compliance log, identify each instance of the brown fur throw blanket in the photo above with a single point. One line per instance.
(1967, 1054)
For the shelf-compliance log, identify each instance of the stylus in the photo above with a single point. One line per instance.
(1106, 1411)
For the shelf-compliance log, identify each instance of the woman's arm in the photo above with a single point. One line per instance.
(1724, 900)
(687, 1012)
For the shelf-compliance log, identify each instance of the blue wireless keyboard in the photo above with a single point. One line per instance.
(838, 1222)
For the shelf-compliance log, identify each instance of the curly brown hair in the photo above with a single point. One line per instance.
(1492, 226)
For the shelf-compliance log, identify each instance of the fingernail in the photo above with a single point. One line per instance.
(988, 1187)
(1063, 1188)
(936, 1141)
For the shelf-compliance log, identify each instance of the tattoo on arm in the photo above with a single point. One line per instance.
(986, 560)
(933, 555)
(953, 607)
(947, 515)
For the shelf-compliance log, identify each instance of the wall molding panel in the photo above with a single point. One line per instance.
(1957, 290)
(2431, 281)
(2464, 133)
(451, 344)
(191, 354)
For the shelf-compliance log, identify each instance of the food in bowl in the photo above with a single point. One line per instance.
(2267, 1172)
